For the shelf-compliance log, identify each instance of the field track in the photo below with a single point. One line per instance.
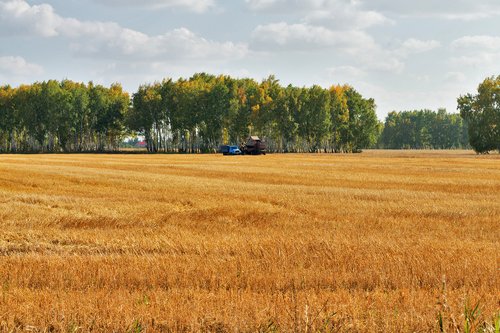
(383, 241)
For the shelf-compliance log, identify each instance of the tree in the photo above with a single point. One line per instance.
(243, 109)
(217, 98)
(186, 115)
(363, 123)
(146, 114)
(284, 124)
(78, 117)
(8, 119)
(118, 106)
(108, 110)
(482, 114)
(59, 108)
(313, 117)
(423, 129)
(339, 114)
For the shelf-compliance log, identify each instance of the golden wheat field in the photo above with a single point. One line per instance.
(376, 242)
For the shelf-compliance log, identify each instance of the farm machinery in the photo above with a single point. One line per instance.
(253, 146)
(230, 150)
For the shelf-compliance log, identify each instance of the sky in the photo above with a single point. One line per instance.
(404, 54)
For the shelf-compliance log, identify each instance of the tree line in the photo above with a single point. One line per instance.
(477, 125)
(200, 113)
(205, 111)
(188, 115)
(424, 129)
(65, 116)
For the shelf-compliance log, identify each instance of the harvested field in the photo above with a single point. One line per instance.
(383, 241)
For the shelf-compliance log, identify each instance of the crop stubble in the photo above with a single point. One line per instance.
(277, 242)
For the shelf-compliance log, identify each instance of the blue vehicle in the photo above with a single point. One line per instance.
(230, 150)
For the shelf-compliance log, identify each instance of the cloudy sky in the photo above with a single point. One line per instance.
(404, 54)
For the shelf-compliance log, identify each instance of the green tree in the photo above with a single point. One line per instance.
(314, 117)
(363, 123)
(339, 114)
(147, 113)
(243, 110)
(423, 129)
(32, 110)
(284, 124)
(8, 119)
(108, 108)
(482, 114)
(59, 108)
(190, 115)
(218, 102)
(78, 117)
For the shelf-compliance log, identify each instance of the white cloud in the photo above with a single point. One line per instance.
(345, 73)
(355, 44)
(178, 43)
(477, 51)
(383, 61)
(346, 16)
(480, 59)
(477, 42)
(443, 9)
(457, 77)
(18, 66)
(109, 39)
(271, 4)
(342, 14)
(298, 36)
(413, 45)
(336, 26)
(198, 6)
(17, 16)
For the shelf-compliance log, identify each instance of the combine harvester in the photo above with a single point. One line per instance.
(253, 146)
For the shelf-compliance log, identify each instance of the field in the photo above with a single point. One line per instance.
(375, 242)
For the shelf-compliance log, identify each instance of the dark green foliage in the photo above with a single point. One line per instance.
(203, 112)
(424, 129)
(64, 116)
(200, 113)
(188, 115)
(482, 113)
(363, 123)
